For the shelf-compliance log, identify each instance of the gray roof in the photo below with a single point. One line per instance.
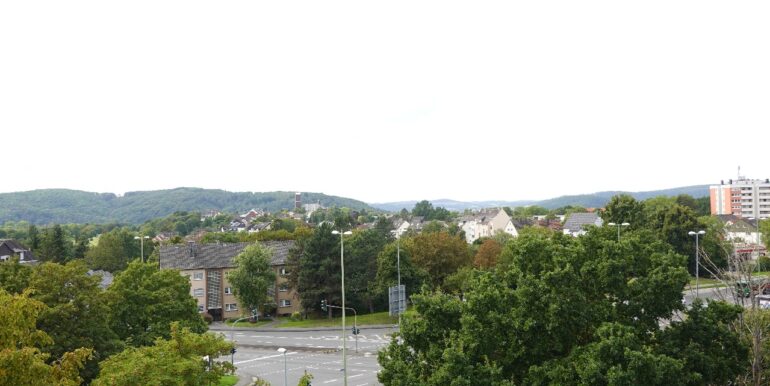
(578, 221)
(16, 247)
(209, 256)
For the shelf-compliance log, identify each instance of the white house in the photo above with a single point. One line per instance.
(486, 223)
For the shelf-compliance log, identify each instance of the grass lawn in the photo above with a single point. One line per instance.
(363, 320)
(246, 323)
(228, 380)
(704, 281)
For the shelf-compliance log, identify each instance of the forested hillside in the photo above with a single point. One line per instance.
(73, 206)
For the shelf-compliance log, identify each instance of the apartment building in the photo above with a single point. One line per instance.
(207, 265)
(745, 198)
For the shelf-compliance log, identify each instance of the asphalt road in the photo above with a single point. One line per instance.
(326, 368)
(370, 340)
(317, 352)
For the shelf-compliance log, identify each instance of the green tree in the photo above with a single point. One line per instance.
(176, 361)
(143, 301)
(76, 313)
(439, 254)
(387, 271)
(706, 343)
(21, 361)
(423, 208)
(114, 250)
(252, 276)
(33, 237)
(53, 246)
(361, 267)
(14, 276)
(318, 269)
(561, 310)
(624, 208)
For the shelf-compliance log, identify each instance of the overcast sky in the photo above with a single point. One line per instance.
(383, 101)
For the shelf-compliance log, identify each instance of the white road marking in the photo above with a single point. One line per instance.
(265, 357)
(331, 380)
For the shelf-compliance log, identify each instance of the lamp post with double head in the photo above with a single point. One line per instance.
(344, 337)
(697, 257)
(141, 243)
(612, 224)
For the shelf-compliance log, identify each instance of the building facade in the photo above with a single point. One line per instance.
(486, 223)
(745, 198)
(206, 267)
(10, 248)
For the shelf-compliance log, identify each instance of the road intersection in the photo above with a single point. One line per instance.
(316, 351)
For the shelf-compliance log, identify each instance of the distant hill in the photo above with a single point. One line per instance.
(73, 206)
(594, 200)
(452, 205)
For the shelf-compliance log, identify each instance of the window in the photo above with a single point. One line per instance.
(285, 303)
(284, 272)
(198, 292)
(228, 290)
(198, 276)
(200, 307)
(283, 287)
(231, 307)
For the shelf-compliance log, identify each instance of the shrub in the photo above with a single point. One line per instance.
(207, 317)
(296, 316)
(269, 309)
(764, 263)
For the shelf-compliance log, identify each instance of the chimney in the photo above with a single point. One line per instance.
(191, 249)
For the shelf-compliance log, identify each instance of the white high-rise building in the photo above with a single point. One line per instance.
(742, 197)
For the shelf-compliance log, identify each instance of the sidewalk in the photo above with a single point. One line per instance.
(221, 326)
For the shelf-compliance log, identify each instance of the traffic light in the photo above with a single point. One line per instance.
(356, 331)
(323, 305)
(232, 350)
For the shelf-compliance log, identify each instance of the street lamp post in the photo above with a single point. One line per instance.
(398, 269)
(344, 337)
(285, 376)
(141, 243)
(612, 224)
(697, 257)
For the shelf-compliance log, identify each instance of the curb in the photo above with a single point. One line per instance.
(224, 328)
(323, 350)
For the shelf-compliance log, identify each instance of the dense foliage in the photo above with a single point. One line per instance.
(76, 314)
(143, 302)
(567, 311)
(22, 362)
(176, 361)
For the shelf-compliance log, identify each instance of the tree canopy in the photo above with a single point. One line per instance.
(76, 314)
(143, 301)
(21, 361)
(252, 276)
(563, 310)
(176, 361)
